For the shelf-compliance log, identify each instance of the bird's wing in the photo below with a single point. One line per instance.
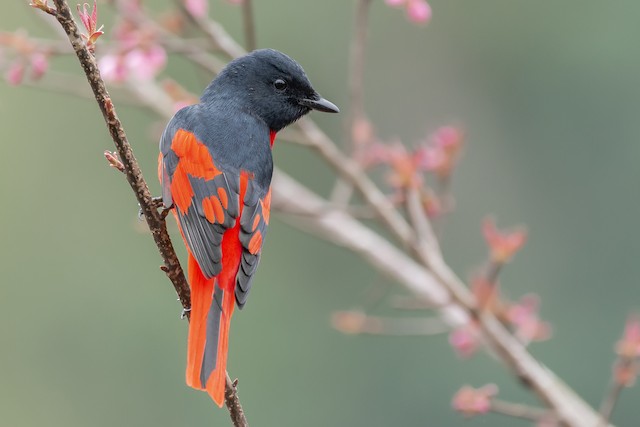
(207, 199)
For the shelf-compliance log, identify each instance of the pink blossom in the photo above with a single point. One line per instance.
(503, 245)
(404, 172)
(39, 65)
(440, 155)
(142, 63)
(15, 73)
(629, 345)
(474, 401)
(197, 8)
(146, 63)
(465, 340)
(418, 11)
(113, 68)
(526, 320)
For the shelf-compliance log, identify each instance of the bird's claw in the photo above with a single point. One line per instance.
(156, 203)
(184, 313)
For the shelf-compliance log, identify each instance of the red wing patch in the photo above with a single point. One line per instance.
(194, 160)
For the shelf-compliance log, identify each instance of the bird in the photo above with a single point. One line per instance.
(215, 168)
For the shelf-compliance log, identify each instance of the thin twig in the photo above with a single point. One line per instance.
(232, 401)
(249, 25)
(356, 68)
(154, 219)
(419, 220)
(402, 302)
(67, 84)
(517, 410)
(343, 190)
(609, 402)
(356, 322)
(218, 37)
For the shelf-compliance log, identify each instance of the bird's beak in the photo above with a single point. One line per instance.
(320, 104)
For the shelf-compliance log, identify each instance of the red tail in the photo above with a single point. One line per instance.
(212, 304)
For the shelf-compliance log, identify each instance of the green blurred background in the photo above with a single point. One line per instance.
(548, 93)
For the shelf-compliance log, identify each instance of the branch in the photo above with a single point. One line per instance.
(520, 411)
(132, 171)
(218, 37)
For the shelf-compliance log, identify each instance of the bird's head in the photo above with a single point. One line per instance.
(271, 86)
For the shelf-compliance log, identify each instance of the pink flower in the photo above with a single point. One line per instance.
(90, 22)
(39, 65)
(113, 68)
(404, 172)
(465, 340)
(197, 8)
(441, 154)
(146, 63)
(474, 401)
(629, 346)
(419, 11)
(625, 372)
(503, 245)
(15, 73)
(524, 317)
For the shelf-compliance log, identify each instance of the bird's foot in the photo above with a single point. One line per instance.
(184, 312)
(156, 203)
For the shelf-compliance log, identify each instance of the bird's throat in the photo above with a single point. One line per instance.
(272, 137)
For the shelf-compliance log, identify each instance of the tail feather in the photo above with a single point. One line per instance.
(212, 304)
(211, 311)
(215, 385)
(201, 298)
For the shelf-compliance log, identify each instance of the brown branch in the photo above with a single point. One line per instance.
(232, 401)
(249, 25)
(132, 171)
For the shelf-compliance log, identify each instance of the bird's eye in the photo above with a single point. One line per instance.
(280, 84)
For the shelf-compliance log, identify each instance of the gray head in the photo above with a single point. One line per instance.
(269, 85)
